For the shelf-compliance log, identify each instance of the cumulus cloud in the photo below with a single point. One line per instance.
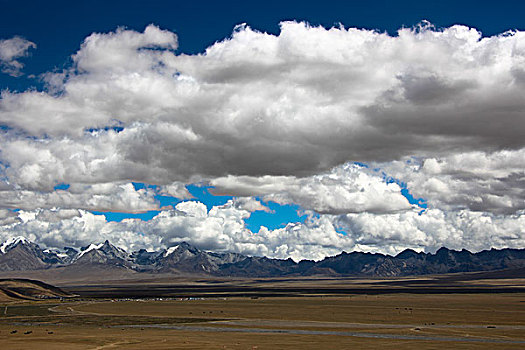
(348, 188)
(486, 182)
(250, 204)
(10, 51)
(222, 229)
(281, 117)
(434, 229)
(297, 103)
(100, 197)
(8, 217)
(177, 190)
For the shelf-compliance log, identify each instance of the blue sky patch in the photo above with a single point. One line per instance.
(279, 216)
(117, 216)
(202, 194)
(61, 186)
(166, 201)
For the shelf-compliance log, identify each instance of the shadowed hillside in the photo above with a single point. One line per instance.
(25, 289)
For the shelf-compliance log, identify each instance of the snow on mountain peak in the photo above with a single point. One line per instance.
(170, 250)
(90, 248)
(13, 241)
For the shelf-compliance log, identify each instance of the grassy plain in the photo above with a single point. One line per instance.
(432, 312)
(404, 321)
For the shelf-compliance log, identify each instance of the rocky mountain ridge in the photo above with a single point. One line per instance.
(19, 254)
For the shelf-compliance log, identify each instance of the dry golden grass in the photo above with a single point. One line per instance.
(99, 324)
(104, 338)
(479, 309)
(5, 298)
(13, 289)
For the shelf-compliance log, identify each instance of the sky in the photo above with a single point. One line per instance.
(280, 129)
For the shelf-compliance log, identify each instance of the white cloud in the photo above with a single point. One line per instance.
(295, 104)
(8, 217)
(177, 190)
(434, 229)
(10, 51)
(220, 229)
(348, 188)
(490, 182)
(250, 204)
(195, 209)
(223, 229)
(280, 117)
(99, 197)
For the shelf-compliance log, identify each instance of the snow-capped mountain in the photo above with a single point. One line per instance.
(103, 253)
(20, 254)
(12, 242)
(187, 258)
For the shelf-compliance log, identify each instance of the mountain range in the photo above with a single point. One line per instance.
(20, 254)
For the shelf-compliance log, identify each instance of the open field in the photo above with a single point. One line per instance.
(176, 287)
(470, 311)
(404, 321)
